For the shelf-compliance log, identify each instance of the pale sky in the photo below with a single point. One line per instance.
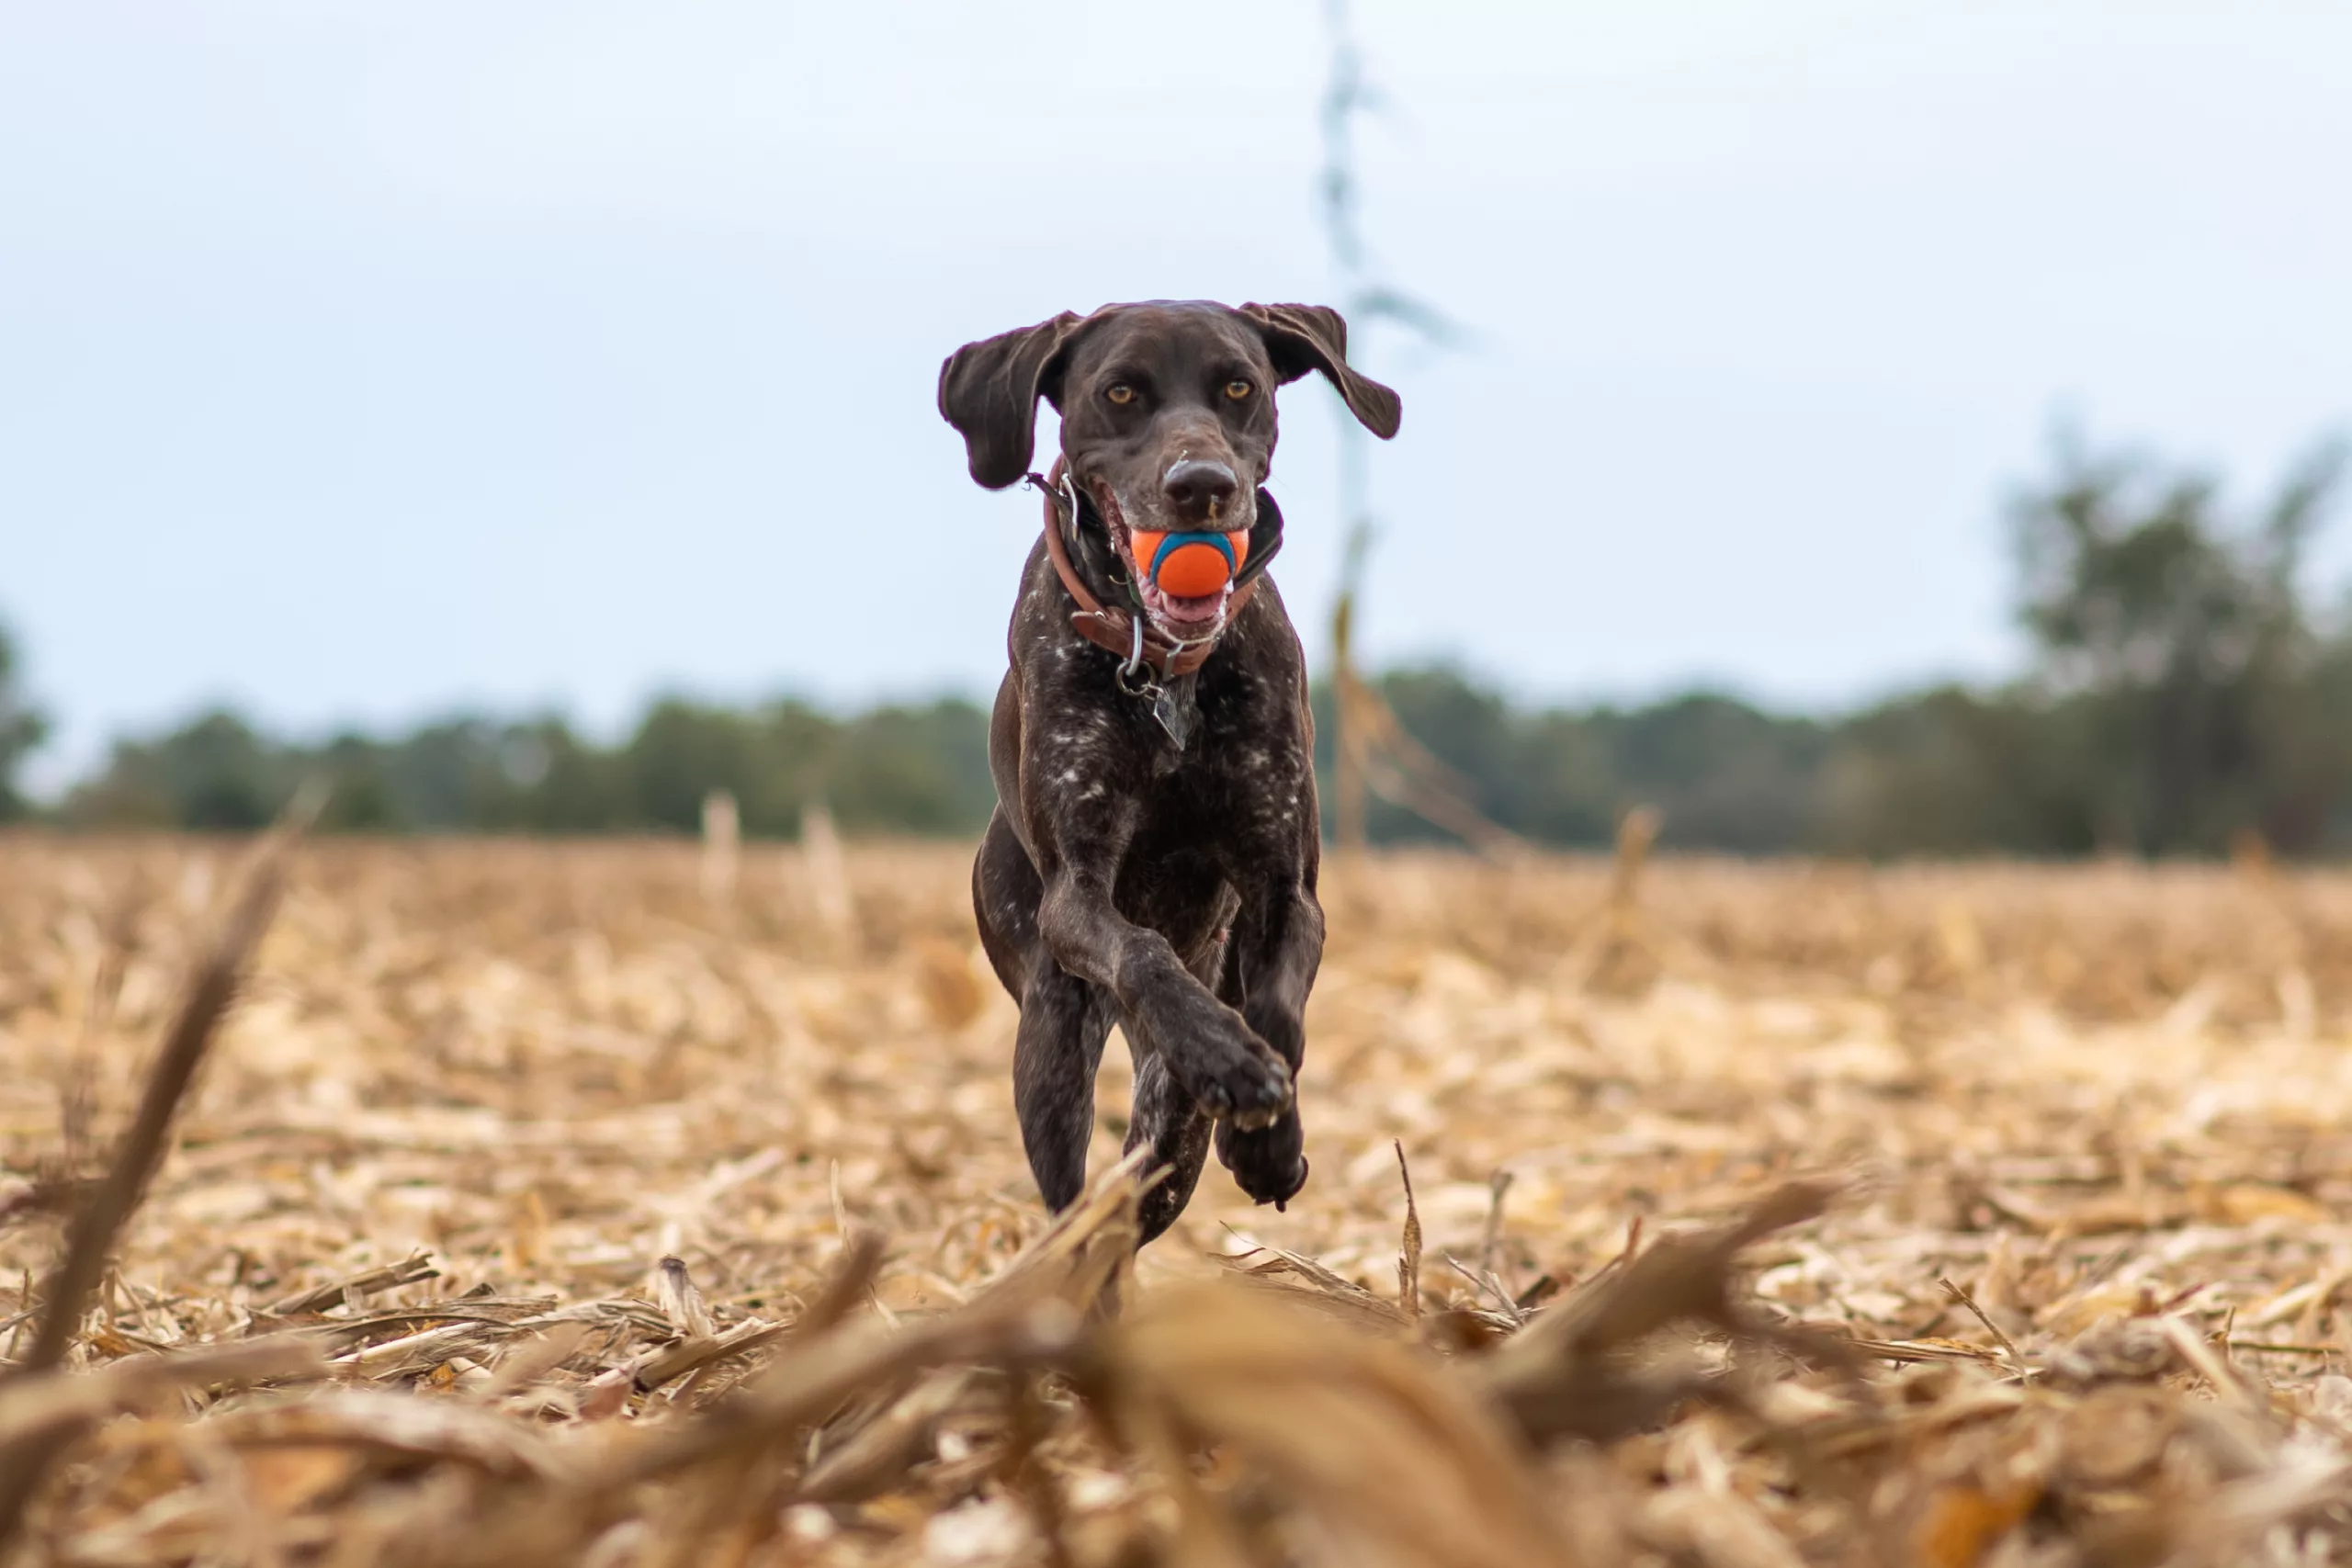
(359, 362)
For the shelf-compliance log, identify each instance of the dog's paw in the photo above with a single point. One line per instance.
(1249, 1092)
(1230, 1073)
(1268, 1162)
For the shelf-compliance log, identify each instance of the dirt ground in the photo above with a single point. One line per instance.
(2083, 1137)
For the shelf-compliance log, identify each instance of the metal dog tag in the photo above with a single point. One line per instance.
(1171, 705)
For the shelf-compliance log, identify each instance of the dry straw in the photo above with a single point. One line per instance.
(538, 1205)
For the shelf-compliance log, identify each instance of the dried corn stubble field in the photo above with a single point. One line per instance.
(2080, 1298)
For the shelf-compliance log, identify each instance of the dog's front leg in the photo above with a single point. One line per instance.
(1209, 1051)
(1277, 947)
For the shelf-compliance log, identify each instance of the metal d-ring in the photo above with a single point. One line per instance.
(1134, 664)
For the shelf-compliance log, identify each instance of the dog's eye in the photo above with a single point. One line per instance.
(1237, 389)
(1120, 392)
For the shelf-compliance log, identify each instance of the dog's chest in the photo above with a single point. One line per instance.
(1228, 785)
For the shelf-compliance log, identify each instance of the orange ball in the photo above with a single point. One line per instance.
(1191, 565)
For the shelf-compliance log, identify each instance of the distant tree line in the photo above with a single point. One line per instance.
(905, 770)
(2188, 686)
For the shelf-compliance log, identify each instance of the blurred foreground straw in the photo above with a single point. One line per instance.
(98, 1225)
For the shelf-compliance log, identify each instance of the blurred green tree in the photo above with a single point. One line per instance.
(214, 773)
(912, 770)
(2180, 648)
(22, 729)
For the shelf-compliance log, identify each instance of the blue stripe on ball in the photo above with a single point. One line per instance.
(1178, 541)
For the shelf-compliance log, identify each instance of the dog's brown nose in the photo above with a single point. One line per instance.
(1198, 489)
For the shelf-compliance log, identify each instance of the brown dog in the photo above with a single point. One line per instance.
(1152, 859)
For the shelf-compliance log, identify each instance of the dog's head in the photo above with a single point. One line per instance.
(1168, 417)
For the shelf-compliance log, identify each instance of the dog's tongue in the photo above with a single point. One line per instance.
(1184, 616)
(1199, 611)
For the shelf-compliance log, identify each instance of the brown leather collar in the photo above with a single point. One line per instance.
(1114, 630)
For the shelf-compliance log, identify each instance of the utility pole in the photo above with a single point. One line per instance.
(1375, 755)
(1343, 98)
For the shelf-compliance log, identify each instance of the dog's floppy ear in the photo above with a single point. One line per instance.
(989, 392)
(1300, 338)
